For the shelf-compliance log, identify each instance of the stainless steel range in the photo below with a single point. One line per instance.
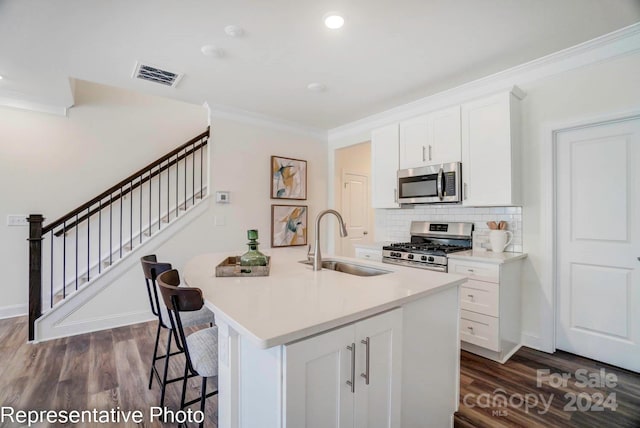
(430, 244)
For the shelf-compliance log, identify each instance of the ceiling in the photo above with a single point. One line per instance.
(388, 53)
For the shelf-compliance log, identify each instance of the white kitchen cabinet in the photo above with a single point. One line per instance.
(434, 138)
(349, 377)
(491, 150)
(384, 167)
(489, 307)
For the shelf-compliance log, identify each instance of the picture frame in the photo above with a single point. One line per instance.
(288, 178)
(289, 225)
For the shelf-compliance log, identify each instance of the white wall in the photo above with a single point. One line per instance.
(50, 164)
(592, 91)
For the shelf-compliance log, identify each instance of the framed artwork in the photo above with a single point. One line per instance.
(288, 178)
(288, 225)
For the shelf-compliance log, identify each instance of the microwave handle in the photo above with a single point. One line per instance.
(440, 184)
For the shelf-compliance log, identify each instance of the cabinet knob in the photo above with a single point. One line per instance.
(470, 329)
(470, 296)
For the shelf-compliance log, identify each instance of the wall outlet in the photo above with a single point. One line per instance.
(222, 197)
(17, 220)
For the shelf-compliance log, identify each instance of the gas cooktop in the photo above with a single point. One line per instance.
(430, 244)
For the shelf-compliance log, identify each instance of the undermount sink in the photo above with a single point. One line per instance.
(350, 268)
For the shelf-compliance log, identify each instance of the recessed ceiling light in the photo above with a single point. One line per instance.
(211, 50)
(333, 20)
(317, 87)
(1, 77)
(234, 31)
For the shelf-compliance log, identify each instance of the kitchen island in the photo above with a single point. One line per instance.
(326, 348)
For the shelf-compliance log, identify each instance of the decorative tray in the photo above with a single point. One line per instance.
(231, 267)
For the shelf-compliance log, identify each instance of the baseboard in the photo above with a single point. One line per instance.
(96, 324)
(13, 311)
(535, 342)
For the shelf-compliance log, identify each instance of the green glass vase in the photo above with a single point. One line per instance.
(253, 257)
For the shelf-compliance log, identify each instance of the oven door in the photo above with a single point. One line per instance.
(434, 184)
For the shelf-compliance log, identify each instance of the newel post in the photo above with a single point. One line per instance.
(35, 271)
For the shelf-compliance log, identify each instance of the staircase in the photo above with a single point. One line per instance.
(76, 250)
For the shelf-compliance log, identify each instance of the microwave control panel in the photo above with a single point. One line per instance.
(449, 183)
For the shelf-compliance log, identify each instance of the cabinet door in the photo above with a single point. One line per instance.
(445, 140)
(384, 167)
(377, 403)
(415, 148)
(486, 151)
(316, 371)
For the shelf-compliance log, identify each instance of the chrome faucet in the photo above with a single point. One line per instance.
(316, 256)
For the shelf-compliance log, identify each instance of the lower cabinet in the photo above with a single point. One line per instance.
(489, 307)
(348, 377)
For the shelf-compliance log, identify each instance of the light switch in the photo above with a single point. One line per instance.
(17, 220)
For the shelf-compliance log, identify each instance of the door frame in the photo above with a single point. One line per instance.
(548, 167)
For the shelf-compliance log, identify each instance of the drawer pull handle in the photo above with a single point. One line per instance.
(368, 256)
(470, 296)
(470, 270)
(470, 329)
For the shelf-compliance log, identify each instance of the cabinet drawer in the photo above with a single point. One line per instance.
(479, 296)
(482, 271)
(481, 330)
(369, 254)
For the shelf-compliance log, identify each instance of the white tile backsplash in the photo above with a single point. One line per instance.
(394, 224)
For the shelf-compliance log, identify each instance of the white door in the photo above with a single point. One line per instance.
(378, 402)
(598, 243)
(355, 211)
(316, 371)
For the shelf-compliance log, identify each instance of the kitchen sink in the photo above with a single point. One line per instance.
(350, 268)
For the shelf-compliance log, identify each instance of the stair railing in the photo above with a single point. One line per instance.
(89, 239)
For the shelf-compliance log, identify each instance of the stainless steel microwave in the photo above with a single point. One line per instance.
(433, 184)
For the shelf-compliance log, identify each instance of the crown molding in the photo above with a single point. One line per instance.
(609, 46)
(258, 119)
(33, 106)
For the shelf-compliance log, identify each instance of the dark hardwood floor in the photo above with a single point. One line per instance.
(493, 395)
(109, 369)
(103, 370)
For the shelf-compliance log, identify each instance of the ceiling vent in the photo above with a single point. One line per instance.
(151, 73)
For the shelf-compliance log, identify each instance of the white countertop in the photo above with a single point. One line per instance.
(487, 256)
(294, 302)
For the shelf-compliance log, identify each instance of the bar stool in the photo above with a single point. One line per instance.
(204, 316)
(201, 347)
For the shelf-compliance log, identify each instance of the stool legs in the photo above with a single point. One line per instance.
(155, 356)
(203, 397)
(166, 370)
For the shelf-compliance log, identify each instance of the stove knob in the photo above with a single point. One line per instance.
(431, 259)
(410, 256)
(423, 258)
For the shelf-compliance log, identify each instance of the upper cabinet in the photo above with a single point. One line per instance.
(384, 167)
(430, 139)
(491, 150)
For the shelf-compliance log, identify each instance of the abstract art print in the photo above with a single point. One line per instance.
(288, 225)
(288, 178)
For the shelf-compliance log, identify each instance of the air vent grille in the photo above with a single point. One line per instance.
(155, 74)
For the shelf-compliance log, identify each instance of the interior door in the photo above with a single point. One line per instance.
(598, 242)
(355, 211)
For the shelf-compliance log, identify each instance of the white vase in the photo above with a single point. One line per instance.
(499, 241)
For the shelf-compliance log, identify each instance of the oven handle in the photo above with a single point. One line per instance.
(440, 183)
